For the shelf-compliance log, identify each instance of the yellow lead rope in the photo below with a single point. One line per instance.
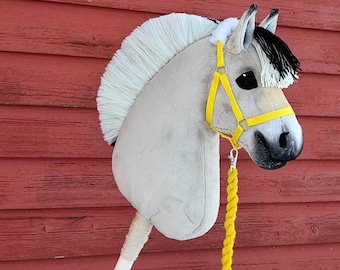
(230, 217)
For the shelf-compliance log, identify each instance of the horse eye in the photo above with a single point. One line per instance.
(247, 80)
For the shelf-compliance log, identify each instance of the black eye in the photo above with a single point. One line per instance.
(247, 81)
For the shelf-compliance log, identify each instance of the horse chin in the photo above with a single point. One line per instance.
(269, 163)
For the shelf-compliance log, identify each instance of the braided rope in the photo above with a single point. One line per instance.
(229, 224)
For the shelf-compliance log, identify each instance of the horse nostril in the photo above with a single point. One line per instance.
(283, 139)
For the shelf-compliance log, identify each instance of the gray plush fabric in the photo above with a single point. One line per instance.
(176, 182)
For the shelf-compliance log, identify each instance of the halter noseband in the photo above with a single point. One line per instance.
(252, 121)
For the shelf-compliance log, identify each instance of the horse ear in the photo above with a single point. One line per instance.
(270, 22)
(243, 34)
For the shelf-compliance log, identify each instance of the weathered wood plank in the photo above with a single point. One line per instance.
(51, 132)
(34, 28)
(306, 51)
(299, 181)
(46, 80)
(31, 26)
(311, 257)
(311, 14)
(46, 234)
(315, 95)
(69, 183)
(75, 133)
(54, 183)
(50, 233)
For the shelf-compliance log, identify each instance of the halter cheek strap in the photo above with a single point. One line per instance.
(221, 77)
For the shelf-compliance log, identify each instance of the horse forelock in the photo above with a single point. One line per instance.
(279, 65)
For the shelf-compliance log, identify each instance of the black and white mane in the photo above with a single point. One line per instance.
(279, 65)
(277, 51)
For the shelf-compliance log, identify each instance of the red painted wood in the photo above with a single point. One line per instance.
(299, 181)
(305, 14)
(30, 26)
(33, 28)
(44, 80)
(315, 95)
(69, 183)
(57, 193)
(50, 133)
(49, 80)
(75, 133)
(311, 257)
(101, 231)
(316, 42)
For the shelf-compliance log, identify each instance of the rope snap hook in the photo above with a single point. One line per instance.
(233, 156)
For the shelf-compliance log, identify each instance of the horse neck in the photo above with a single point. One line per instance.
(167, 138)
(184, 82)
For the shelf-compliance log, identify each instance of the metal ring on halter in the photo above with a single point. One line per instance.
(221, 70)
(233, 155)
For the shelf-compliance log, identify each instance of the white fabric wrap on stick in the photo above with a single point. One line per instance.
(136, 238)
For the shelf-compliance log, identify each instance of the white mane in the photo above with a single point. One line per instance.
(143, 53)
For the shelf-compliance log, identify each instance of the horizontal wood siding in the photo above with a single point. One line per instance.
(36, 234)
(264, 258)
(59, 205)
(68, 183)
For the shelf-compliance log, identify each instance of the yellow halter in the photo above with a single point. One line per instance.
(223, 78)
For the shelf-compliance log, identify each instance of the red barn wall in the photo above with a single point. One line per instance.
(59, 205)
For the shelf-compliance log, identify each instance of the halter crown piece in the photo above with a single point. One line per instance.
(232, 187)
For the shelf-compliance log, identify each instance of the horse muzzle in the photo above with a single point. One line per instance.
(274, 153)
